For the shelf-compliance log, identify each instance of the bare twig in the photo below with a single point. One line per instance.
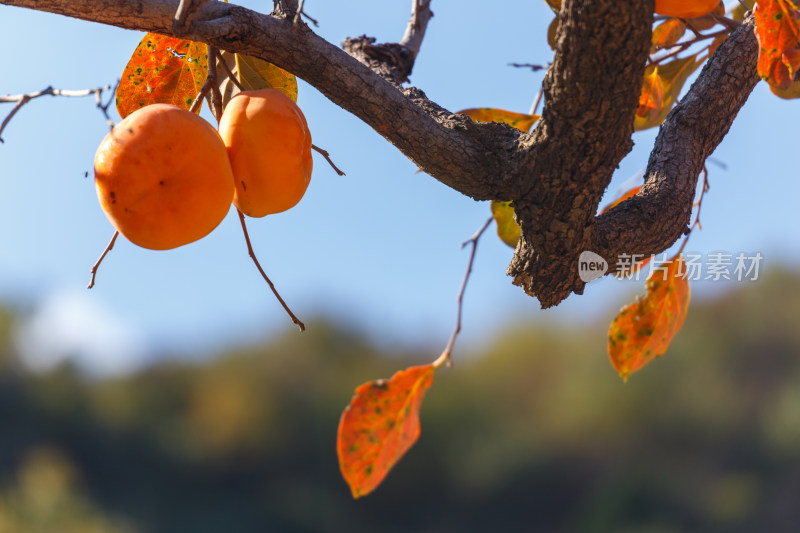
(264, 274)
(327, 157)
(109, 247)
(22, 99)
(531, 66)
(298, 12)
(537, 101)
(421, 14)
(104, 107)
(231, 76)
(699, 204)
(198, 100)
(310, 18)
(445, 356)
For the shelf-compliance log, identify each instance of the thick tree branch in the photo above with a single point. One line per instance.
(654, 219)
(591, 94)
(471, 158)
(557, 175)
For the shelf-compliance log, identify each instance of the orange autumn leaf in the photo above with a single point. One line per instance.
(778, 32)
(165, 70)
(630, 193)
(379, 426)
(672, 76)
(644, 329)
(666, 34)
(651, 101)
(520, 121)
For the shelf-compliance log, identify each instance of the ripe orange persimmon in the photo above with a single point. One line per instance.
(269, 147)
(163, 177)
(685, 9)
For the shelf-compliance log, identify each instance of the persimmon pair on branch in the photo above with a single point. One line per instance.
(165, 177)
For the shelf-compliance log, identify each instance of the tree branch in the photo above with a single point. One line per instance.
(394, 61)
(654, 219)
(557, 175)
(470, 158)
(591, 93)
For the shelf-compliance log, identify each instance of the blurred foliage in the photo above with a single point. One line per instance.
(537, 433)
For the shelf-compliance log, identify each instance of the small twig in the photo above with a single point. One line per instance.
(729, 23)
(25, 99)
(327, 157)
(198, 100)
(22, 99)
(310, 18)
(298, 12)
(421, 14)
(264, 274)
(537, 100)
(104, 107)
(531, 66)
(109, 247)
(699, 204)
(682, 47)
(233, 77)
(445, 357)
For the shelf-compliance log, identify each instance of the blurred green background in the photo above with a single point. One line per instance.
(533, 432)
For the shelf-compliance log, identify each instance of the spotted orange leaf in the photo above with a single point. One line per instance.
(164, 70)
(520, 121)
(379, 426)
(778, 32)
(644, 329)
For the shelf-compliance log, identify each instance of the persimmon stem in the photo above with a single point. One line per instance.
(230, 73)
(444, 358)
(216, 96)
(198, 100)
(109, 247)
(327, 157)
(264, 274)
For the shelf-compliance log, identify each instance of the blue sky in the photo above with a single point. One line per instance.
(378, 248)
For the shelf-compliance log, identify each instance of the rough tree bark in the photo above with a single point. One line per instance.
(555, 176)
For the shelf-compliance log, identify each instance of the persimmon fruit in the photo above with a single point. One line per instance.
(269, 147)
(163, 177)
(685, 9)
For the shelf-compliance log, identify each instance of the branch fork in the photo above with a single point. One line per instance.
(555, 176)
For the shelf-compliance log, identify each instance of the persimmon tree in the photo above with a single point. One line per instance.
(617, 67)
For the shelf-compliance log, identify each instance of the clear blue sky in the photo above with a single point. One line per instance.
(378, 247)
